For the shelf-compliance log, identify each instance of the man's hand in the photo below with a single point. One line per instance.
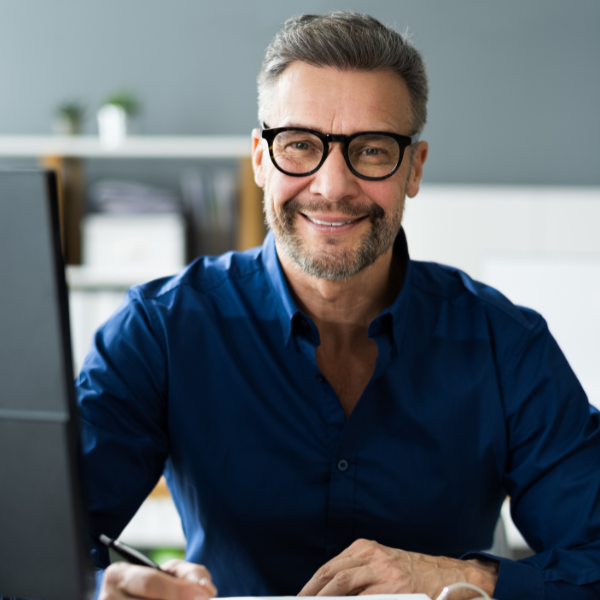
(124, 581)
(369, 568)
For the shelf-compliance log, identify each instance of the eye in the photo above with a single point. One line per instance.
(299, 146)
(372, 151)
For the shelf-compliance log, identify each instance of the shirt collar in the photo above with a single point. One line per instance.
(390, 320)
(284, 303)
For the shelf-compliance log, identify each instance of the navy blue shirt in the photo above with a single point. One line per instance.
(211, 378)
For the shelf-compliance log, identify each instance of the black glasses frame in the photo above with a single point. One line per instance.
(403, 141)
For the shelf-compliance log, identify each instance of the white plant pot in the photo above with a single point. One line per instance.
(113, 124)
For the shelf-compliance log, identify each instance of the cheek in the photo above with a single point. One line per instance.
(280, 188)
(386, 194)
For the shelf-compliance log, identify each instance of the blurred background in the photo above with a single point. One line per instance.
(511, 189)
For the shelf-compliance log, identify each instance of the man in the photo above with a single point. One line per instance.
(322, 392)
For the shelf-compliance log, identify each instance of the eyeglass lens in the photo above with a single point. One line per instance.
(371, 155)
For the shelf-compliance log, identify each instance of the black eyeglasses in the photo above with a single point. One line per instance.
(371, 155)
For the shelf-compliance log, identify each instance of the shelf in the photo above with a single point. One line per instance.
(205, 147)
(65, 156)
(82, 278)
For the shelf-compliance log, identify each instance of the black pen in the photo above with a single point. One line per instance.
(130, 554)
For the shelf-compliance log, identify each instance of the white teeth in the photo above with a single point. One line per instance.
(329, 224)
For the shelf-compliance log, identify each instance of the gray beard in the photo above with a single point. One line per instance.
(334, 263)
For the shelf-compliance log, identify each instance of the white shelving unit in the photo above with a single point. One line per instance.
(65, 155)
(204, 147)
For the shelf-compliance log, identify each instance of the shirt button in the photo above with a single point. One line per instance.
(320, 378)
(342, 465)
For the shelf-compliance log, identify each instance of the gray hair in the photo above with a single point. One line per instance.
(345, 40)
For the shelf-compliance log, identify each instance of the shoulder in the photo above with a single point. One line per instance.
(204, 276)
(470, 299)
(471, 314)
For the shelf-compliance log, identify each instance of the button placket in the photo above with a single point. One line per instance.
(340, 516)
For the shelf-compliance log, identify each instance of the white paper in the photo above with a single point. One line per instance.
(373, 597)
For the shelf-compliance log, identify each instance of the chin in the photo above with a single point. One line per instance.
(331, 262)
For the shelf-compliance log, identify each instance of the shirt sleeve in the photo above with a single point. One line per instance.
(121, 392)
(552, 474)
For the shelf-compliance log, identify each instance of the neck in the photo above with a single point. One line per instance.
(345, 308)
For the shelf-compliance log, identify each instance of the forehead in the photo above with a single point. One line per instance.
(338, 101)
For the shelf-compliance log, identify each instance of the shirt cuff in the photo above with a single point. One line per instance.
(516, 580)
(98, 575)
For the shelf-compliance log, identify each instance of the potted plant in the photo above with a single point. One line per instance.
(115, 116)
(68, 118)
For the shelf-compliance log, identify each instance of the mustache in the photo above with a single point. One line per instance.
(347, 209)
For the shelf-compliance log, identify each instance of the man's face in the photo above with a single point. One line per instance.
(300, 210)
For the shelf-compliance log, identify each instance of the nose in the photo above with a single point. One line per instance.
(334, 180)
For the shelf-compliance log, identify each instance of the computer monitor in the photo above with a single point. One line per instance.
(43, 540)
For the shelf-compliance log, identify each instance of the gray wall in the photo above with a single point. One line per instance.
(515, 85)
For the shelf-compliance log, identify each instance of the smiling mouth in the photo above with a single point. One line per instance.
(332, 224)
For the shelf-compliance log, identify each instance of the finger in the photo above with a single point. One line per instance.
(349, 582)
(123, 580)
(197, 574)
(186, 570)
(327, 572)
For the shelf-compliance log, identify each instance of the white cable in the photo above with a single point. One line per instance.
(457, 586)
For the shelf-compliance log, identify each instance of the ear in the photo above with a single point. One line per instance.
(258, 156)
(412, 189)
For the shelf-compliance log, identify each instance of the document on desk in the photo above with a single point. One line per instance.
(373, 597)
